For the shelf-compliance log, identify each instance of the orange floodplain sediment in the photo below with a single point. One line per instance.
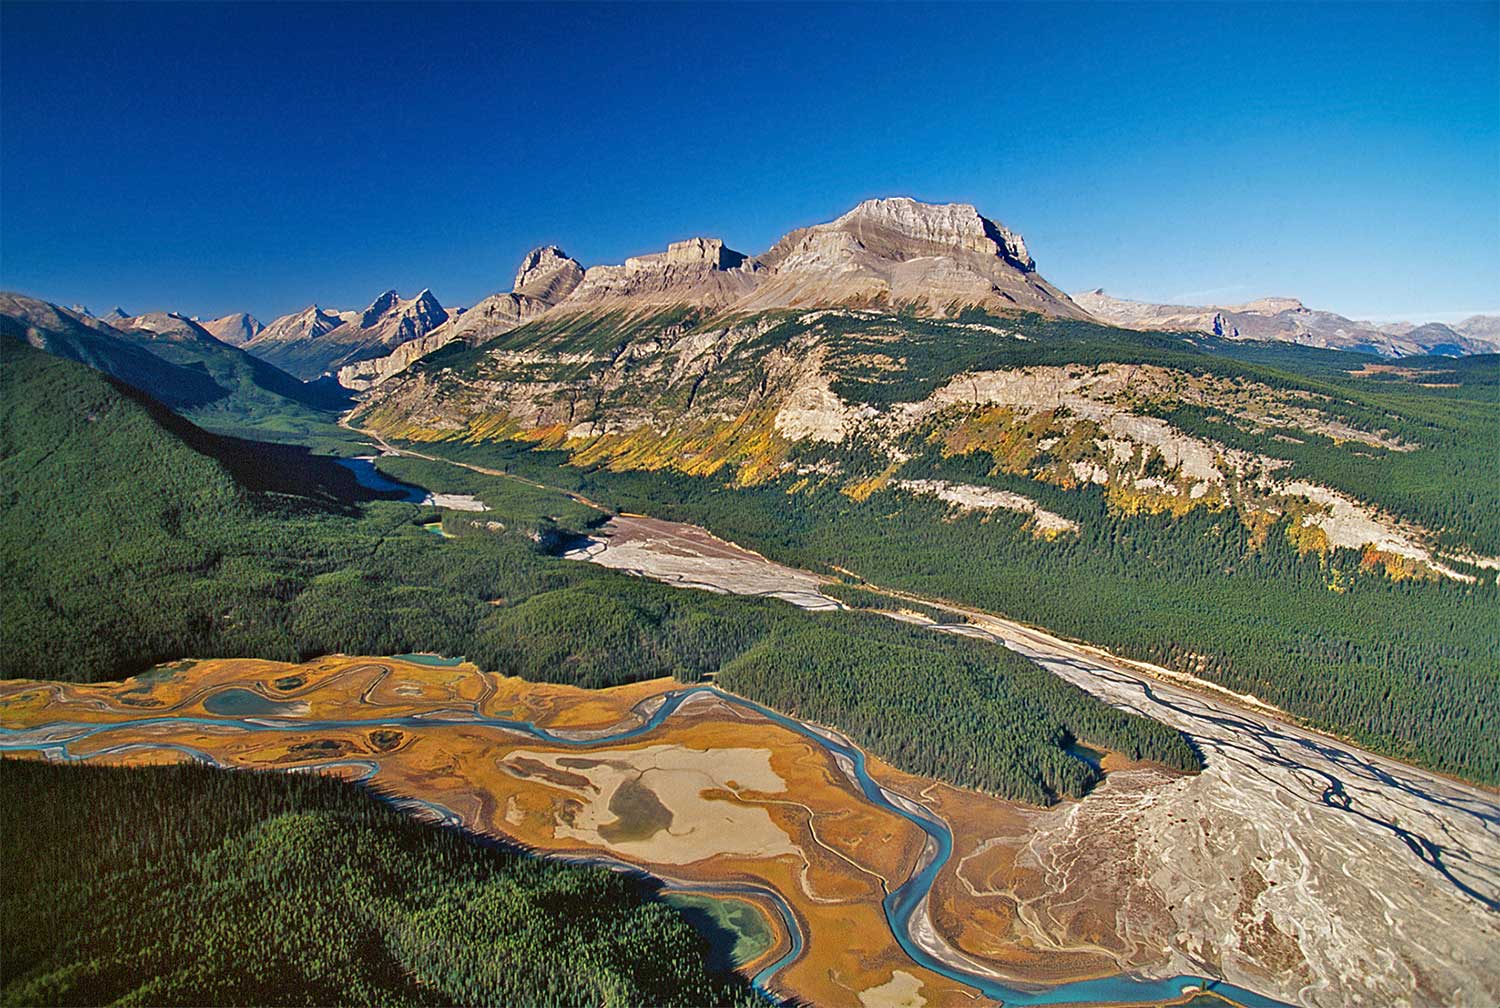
(714, 795)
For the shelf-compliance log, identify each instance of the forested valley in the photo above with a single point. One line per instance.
(1408, 668)
(176, 558)
(203, 886)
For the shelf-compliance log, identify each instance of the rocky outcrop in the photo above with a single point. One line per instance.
(936, 258)
(313, 341)
(1288, 320)
(309, 323)
(390, 321)
(236, 330)
(1481, 328)
(699, 272)
(547, 274)
(164, 326)
(893, 252)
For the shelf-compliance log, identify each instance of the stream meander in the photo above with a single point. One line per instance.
(903, 906)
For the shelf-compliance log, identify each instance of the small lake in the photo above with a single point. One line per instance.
(237, 702)
(371, 478)
(737, 931)
(436, 661)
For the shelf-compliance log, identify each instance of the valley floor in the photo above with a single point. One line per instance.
(708, 792)
(1295, 863)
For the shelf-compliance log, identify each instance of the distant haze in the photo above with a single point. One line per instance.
(218, 159)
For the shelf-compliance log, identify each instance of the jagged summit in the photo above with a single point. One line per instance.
(314, 340)
(164, 326)
(547, 274)
(309, 323)
(904, 226)
(896, 251)
(900, 251)
(698, 271)
(379, 308)
(423, 311)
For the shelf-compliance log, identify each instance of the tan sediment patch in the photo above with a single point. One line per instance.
(677, 777)
(967, 497)
(689, 557)
(900, 991)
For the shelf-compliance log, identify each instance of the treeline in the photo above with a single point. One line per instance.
(963, 711)
(160, 554)
(187, 885)
(1410, 669)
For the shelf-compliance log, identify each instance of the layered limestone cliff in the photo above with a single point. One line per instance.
(747, 399)
(900, 252)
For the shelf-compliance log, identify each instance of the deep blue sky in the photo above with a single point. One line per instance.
(261, 157)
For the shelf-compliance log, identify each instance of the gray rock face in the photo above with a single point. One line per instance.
(901, 228)
(1484, 328)
(164, 326)
(700, 272)
(545, 269)
(935, 258)
(547, 274)
(236, 330)
(309, 323)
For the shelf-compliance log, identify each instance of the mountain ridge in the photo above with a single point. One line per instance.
(1288, 320)
(313, 342)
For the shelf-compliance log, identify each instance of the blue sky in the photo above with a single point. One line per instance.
(212, 159)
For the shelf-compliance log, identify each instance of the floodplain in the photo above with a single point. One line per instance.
(705, 792)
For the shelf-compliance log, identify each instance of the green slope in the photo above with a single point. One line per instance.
(195, 886)
(98, 345)
(218, 386)
(1240, 594)
(128, 541)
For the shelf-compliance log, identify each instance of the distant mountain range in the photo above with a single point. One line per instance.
(895, 254)
(168, 356)
(1289, 320)
(314, 342)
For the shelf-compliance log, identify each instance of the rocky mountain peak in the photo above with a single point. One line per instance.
(935, 257)
(694, 253)
(698, 271)
(710, 252)
(932, 226)
(379, 308)
(165, 325)
(236, 329)
(547, 274)
(1270, 306)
